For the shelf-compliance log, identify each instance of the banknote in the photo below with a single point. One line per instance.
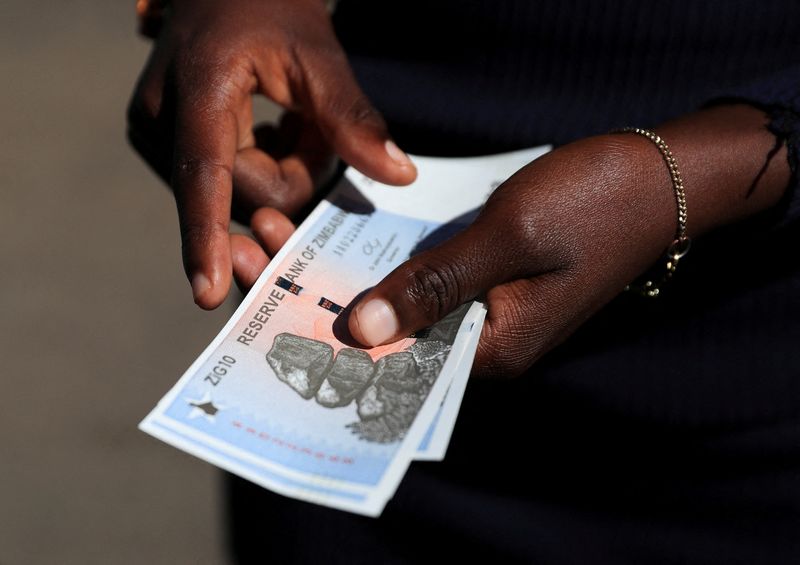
(286, 398)
(434, 444)
(432, 448)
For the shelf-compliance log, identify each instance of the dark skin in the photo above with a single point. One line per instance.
(556, 242)
(191, 119)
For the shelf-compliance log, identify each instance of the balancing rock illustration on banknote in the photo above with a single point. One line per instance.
(388, 392)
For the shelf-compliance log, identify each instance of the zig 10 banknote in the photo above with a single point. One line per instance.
(285, 398)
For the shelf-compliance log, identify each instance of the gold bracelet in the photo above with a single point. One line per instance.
(680, 245)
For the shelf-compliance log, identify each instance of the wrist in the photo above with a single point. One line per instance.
(681, 241)
(721, 165)
(616, 212)
(641, 198)
(732, 166)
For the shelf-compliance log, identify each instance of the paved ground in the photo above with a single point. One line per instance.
(96, 318)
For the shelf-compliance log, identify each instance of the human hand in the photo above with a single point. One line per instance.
(554, 243)
(272, 230)
(565, 234)
(191, 119)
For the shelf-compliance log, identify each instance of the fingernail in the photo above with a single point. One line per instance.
(377, 321)
(397, 154)
(200, 285)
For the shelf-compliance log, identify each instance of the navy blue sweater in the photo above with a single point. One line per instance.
(663, 431)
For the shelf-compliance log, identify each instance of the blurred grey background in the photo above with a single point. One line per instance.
(97, 319)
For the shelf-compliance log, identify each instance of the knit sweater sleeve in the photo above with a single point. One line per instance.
(778, 95)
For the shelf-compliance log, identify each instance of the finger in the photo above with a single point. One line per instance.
(431, 284)
(249, 260)
(259, 181)
(206, 137)
(525, 319)
(350, 123)
(310, 154)
(146, 107)
(149, 121)
(271, 229)
(155, 154)
(287, 185)
(283, 170)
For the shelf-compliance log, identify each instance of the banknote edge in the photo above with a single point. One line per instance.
(440, 440)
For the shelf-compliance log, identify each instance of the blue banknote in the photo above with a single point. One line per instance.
(284, 397)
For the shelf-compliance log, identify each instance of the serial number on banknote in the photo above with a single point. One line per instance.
(350, 236)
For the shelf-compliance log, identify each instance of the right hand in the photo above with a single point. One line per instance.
(191, 119)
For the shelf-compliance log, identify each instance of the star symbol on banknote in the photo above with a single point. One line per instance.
(204, 407)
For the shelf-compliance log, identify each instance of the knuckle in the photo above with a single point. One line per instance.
(211, 79)
(521, 228)
(198, 234)
(506, 355)
(331, 88)
(342, 104)
(359, 111)
(529, 231)
(434, 289)
(200, 179)
(191, 168)
(516, 333)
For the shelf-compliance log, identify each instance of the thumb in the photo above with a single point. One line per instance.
(352, 125)
(427, 287)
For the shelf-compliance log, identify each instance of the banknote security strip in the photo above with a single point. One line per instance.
(330, 306)
(280, 400)
(288, 285)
